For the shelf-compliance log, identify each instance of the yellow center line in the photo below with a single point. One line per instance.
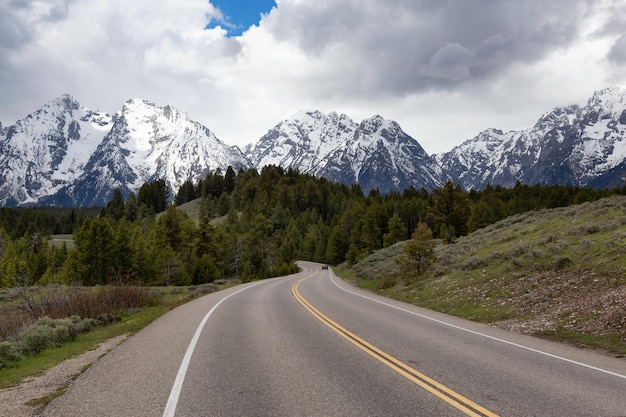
(453, 398)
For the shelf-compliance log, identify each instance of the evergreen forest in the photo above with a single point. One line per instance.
(251, 225)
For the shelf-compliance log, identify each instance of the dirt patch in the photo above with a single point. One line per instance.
(15, 400)
(581, 302)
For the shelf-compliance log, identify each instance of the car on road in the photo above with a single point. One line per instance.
(324, 266)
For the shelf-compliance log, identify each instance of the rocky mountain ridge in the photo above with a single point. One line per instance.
(581, 146)
(375, 153)
(48, 149)
(67, 155)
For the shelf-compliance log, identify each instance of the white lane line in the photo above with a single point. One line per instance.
(172, 402)
(331, 273)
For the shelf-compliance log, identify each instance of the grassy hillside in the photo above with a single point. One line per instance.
(192, 209)
(557, 273)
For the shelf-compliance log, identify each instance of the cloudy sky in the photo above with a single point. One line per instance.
(443, 69)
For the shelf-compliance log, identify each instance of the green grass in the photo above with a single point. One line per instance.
(58, 240)
(192, 209)
(46, 399)
(612, 342)
(131, 323)
(36, 365)
(524, 268)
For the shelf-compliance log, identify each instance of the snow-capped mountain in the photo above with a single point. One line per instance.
(65, 154)
(375, 153)
(146, 143)
(48, 149)
(576, 145)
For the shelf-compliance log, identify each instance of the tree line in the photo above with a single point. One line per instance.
(251, 225)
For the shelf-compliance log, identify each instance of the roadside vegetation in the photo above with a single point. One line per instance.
(40, 327)
(554, 273)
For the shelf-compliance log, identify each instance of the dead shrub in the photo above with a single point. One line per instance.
(12, 319)
(519, 249)
(562, 262)
(201, 290)
(61, 302)
(387, 282)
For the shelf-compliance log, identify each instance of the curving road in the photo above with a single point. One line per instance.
(312, 345)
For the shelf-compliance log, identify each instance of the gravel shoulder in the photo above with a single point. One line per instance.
(15, 399)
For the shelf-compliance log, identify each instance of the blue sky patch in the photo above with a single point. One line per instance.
(239, 15)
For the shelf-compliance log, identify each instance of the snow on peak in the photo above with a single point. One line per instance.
(49, 148)
(302, 140)
(164, 143)
(64, 146)
(71, 155)
(574, 145)
(375, 152)
(609, 101)
(307, 115)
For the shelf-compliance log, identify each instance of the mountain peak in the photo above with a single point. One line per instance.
(303, 115)
(610, 100)
(48, 149)
(137, 105)
(65, 154)
(78, 156)
(374, 153)
(64, 103)
(377, 123)
(65, 97)
(576, 145)
(309, 116)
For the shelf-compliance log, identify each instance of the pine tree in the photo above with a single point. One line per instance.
(204, 270)
(353, 255)
(419, 252)
(257, 245)
(287, 251)
(371, 235)
(116, 208)
(154, 196)
(337, 246)
(131, 209)
(396, 231)
(229, 180)
(95, 250)
(451, 210)
(186, 193)
(169, 267)
(123, 251)
(14, 266)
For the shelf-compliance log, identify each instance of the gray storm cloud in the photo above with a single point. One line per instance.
(395, 57)
(618, 51)
(431, 43)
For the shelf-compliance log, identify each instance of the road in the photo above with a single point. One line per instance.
(311, 344)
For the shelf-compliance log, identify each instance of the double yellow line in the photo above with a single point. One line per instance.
(453, 398)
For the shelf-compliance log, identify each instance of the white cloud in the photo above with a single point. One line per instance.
(444, 69)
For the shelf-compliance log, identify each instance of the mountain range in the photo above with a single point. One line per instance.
(581, 146)
(68, 155)
(375, 153)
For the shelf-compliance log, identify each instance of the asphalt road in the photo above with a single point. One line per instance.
(312, 345)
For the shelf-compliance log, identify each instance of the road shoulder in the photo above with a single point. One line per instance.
(15, 400)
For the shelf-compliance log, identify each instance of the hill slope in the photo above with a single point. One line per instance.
(558, 273)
